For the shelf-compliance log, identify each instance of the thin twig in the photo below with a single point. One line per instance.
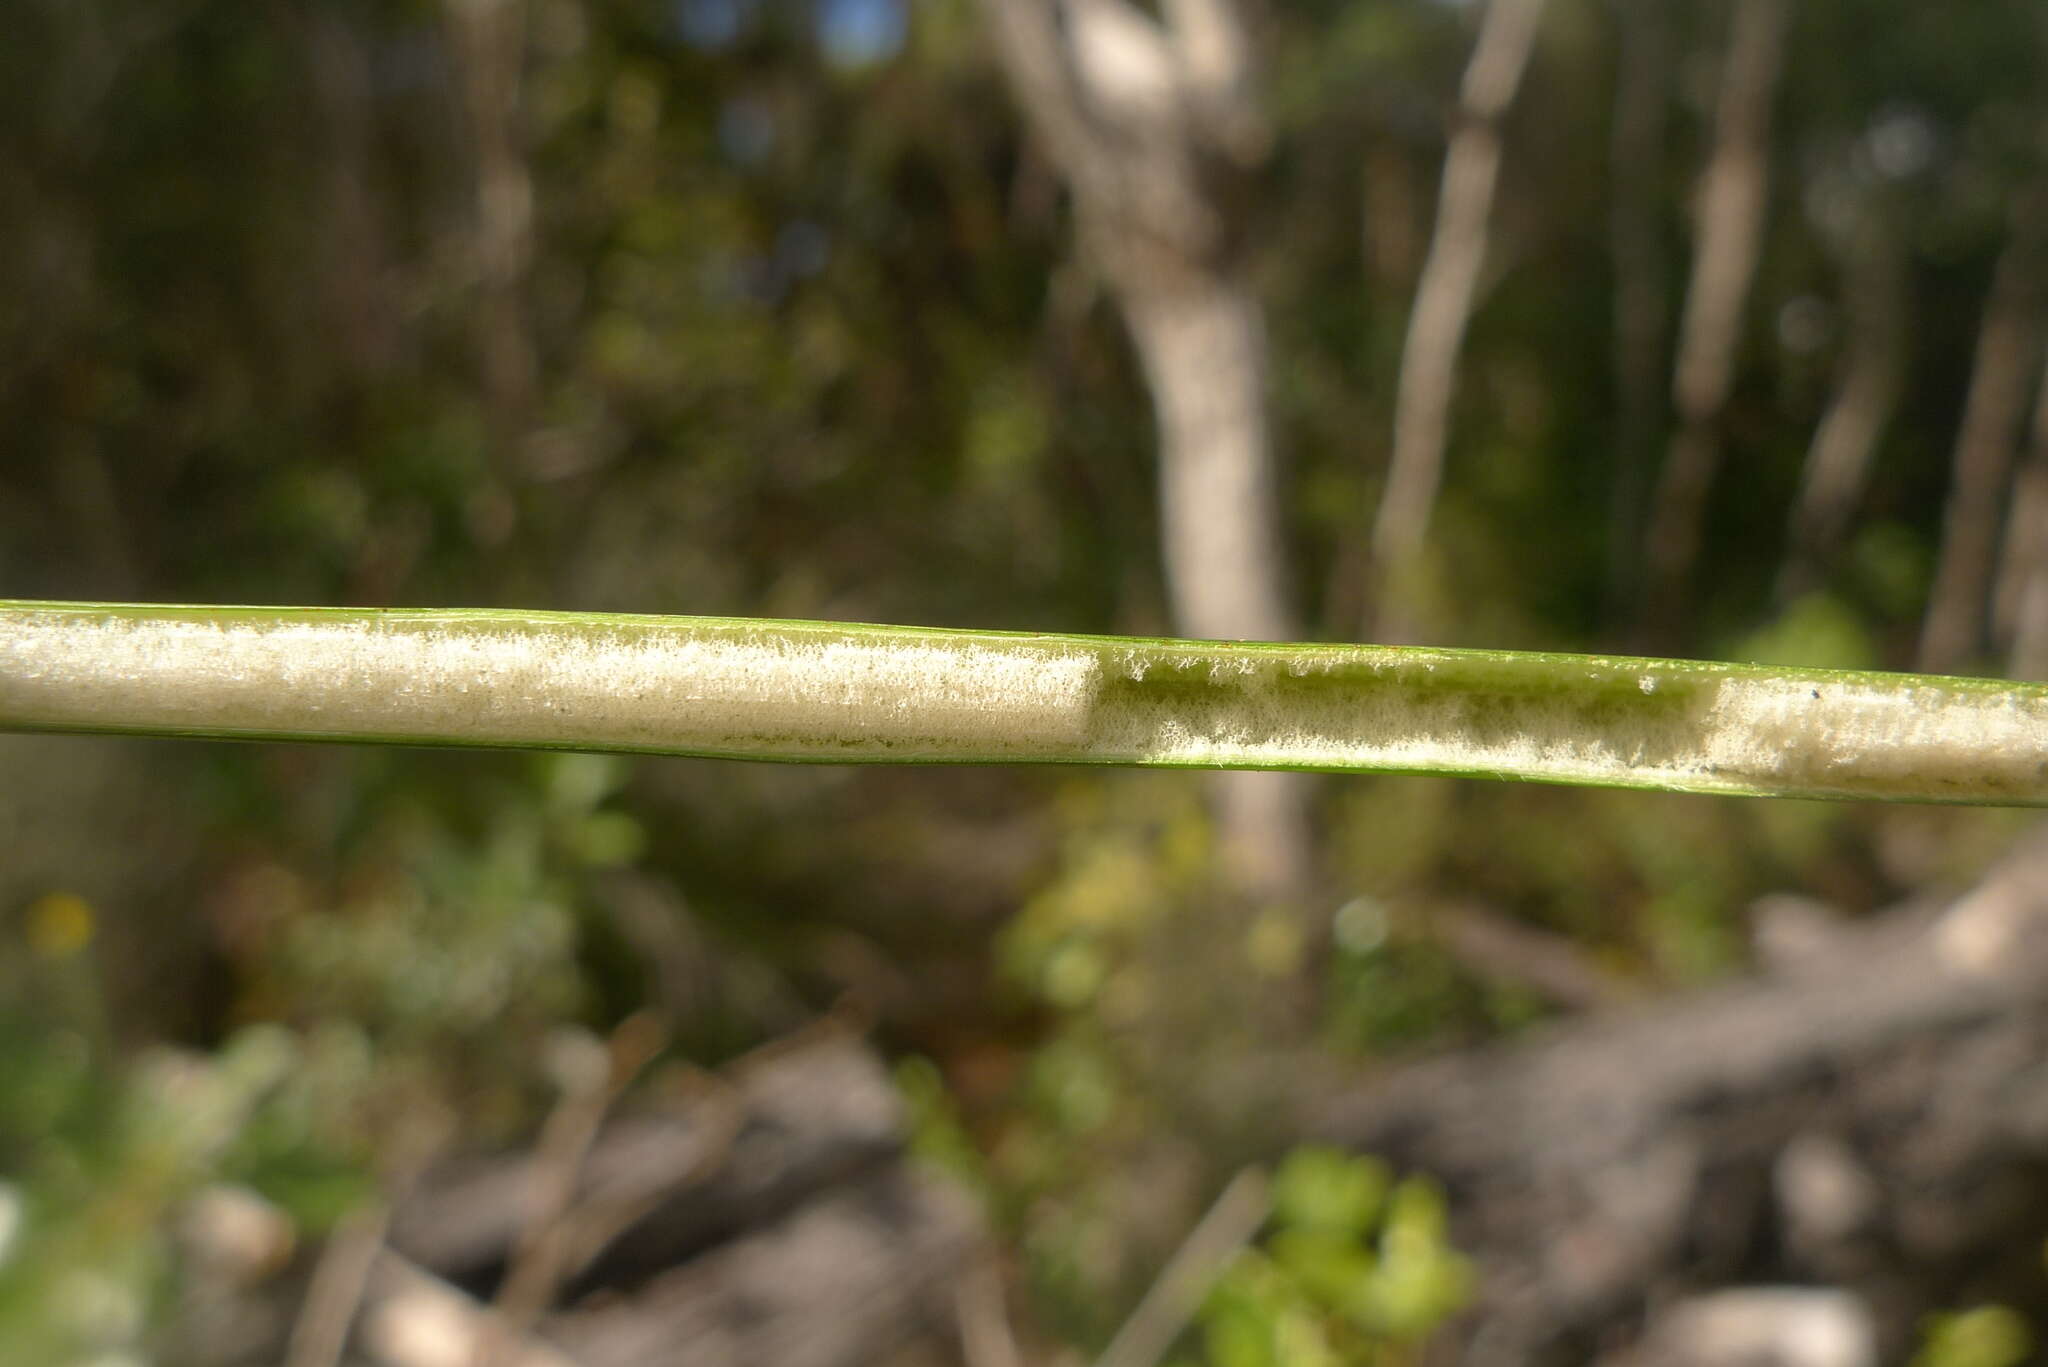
(986, 1339)
(336, 1291)
(342, 1275)
(591, 1225)
(1227, 1227)
(1505, 950)
(544, 1252)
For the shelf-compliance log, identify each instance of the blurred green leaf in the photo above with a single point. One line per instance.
(1325, 1189)
(1988, 1336)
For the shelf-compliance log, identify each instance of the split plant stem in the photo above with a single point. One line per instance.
(837, 693)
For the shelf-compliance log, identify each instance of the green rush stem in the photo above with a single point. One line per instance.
(840, 694)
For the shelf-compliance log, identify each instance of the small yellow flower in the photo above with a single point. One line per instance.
(59, 924)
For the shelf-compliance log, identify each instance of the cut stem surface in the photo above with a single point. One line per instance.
(840, 693)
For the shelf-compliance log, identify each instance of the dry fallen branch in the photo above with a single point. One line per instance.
(1873, 1121)
(773, 1217)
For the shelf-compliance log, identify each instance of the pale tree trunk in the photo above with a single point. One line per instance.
(1443, 309)
(1874, 287)
(1151, 121)
(1203, 352)
(1994, 412)
(1642, 102)
(1732, 198)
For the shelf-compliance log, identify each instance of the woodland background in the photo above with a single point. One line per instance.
(1712, 330)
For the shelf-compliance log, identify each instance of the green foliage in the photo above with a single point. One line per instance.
(938, 1135)
(1389, 990)
(1124, 949)
(448, 934)
(1817, 631)
(1355, 1271)
(104, 1155)
(1988, 1336)
(1126, 865)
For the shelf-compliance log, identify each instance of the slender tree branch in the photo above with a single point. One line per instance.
(1994, 414)
(1443, 308)
(1732, 200)
(2022, 598)
(836, 693)
(1500, 948)
(1874, 265)
(336, 1292)
(986, 1339)
(544, 1256)
(1229, 1225)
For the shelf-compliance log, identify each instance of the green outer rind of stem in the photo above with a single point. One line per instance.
(842, 693)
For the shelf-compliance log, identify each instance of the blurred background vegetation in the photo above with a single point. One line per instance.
(777, 308)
